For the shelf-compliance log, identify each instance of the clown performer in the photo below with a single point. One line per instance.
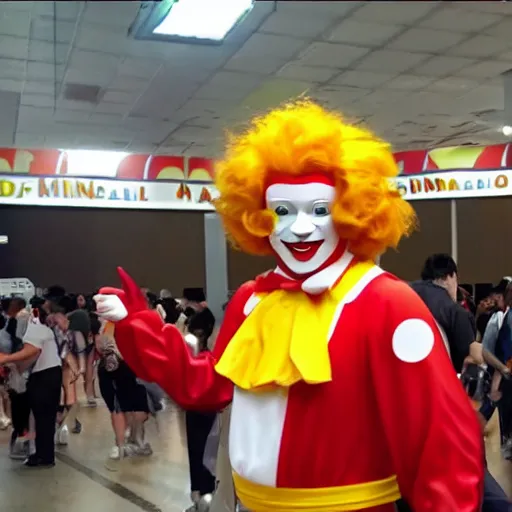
(343, 396)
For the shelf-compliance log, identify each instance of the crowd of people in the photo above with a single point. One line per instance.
(55, 342)
(478, 339)
(50, 345)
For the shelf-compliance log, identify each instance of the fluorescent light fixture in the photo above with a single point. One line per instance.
(85, 162)
(4, 239)
(202, 21)
(507, 130)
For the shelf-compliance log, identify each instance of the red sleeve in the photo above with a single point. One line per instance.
(158, 353)
(432, 430)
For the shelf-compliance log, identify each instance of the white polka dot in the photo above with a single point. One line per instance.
(413, 340)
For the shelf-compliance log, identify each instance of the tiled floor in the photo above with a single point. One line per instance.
(500, 469)
(82, 483)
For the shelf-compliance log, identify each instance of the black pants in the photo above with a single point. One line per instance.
(495, 499)
(20, 412)
(43, 390)
(121, 391)
(487, 408)
(198, 426)
(505, 410)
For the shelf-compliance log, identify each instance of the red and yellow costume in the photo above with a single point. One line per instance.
(343, 395)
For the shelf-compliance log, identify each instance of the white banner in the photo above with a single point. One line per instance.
(455, 184)
(173, 195)
(104, 193)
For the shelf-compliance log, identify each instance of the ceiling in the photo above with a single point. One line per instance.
(419, 73)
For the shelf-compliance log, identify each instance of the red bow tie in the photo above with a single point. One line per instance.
(272, 281)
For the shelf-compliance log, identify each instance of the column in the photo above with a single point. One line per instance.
(216, 264)
(453, 223)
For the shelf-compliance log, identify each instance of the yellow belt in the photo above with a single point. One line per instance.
(260, 498)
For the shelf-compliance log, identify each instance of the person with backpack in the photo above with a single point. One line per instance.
(40, 353)
(498, 341)
(73, 347)
(126, 399)
(79, 321)
(489, 322)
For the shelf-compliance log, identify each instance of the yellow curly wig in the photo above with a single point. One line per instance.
(303, 138)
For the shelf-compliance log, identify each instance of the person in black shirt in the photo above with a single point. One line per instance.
(172, 309)
(438, 290)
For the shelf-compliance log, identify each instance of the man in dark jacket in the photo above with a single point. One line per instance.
(438, 290)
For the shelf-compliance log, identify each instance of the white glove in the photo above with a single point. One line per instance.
(110, 307)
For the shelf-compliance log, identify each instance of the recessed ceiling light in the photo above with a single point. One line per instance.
(202, 21)
(4, 239)
(507, 130)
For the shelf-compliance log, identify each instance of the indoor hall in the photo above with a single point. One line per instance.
(114, 115)
(83, 479)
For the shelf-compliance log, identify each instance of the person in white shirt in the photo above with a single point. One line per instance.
(40, 352)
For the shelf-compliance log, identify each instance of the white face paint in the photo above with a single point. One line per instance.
(304, 237)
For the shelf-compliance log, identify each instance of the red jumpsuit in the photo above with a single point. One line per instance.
(394, 405)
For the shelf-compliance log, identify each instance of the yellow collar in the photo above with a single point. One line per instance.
(285, 339)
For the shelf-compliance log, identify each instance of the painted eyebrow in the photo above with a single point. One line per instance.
(285, 200)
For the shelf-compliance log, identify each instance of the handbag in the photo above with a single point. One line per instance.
(110, 361)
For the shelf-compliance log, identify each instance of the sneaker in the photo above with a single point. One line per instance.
(130, 450)
(14, 438)
(36, 462)
(115, 458)
(5, 423)
(144, 450)
(91, 402)
(25, 436)
(31, 446)
(204, 503)
(62, 436)
(77, 429)
(20, 451)
(115, 453)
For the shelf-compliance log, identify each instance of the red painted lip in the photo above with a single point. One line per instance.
(303, 251)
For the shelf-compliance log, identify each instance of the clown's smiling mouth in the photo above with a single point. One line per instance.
(303, 251)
